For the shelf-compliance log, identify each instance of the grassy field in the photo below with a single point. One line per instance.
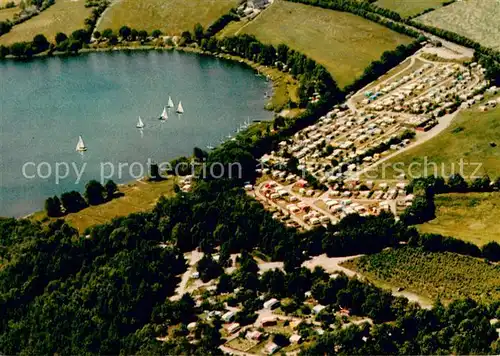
(476, 19)
(445, 275)
(64, 16)
(8, 14)
(137, 197)
(468, 138)
(409, 7)
(170, 16)
(472, 217)
(344, 43)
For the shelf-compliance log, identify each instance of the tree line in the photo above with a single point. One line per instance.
(63, 293)
(6, 26)
(488, 57)
(72, 202)
(387, 61)
(63, 43)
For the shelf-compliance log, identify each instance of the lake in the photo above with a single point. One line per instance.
(45, 104)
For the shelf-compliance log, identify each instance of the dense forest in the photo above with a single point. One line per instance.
(108, 292)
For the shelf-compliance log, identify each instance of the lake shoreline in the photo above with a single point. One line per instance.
(253, 65)
(28, 214)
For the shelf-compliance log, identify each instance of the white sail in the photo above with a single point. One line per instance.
(80, 146)
(140, 124)
(180, 109)
(164, 114)
(170, 103)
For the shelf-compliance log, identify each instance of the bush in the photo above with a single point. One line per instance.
(491, 251)
(94, 192)
(40, 43)
(111, 189)
(73, 202)
(60, 37)
(53, 206)
(156, 33)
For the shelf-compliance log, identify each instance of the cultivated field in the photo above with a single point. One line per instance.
(344, 43)
(468, 138)
(4, 2)
(137, 197)
(170, 16)
(444, 275)
(8, 14)
(476, 19)
(64, 16)
(409, 7)
(472, 217)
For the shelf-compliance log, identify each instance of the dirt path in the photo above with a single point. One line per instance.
(421, 137)
(193, 257)
(333, 264)
(99, 20)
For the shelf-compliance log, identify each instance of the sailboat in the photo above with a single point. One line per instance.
(180, 109)
(80, 146)
(140, 124)
(164, 115)
(170, 103)
(246, 124)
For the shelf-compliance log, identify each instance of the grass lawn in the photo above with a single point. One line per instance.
(4, 2)
(468, 138)
(138, 197)
(445, 275)
(8, 14)
(170, 16)
(476, 19)
(409, 7)
(472, 217)
(344, 43)
(64, 16)
(241, 344)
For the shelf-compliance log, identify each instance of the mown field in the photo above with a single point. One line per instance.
(5, 2)
(444, 275)
(472, 217)
(8, 14)
(409, 7)
(170, 16)
(476, 19)
(344, 43)
(64, 16)
(137, 197)
(468, 139)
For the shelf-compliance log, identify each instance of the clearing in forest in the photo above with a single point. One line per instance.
(472, 217)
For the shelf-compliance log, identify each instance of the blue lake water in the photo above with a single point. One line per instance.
(47, 103)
